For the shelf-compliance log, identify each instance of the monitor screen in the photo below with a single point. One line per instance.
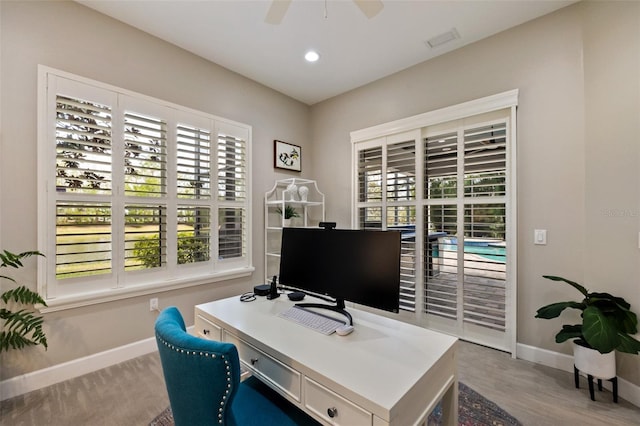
(345, 264)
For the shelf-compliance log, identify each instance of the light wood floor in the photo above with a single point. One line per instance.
(538, 395)
(133, 393)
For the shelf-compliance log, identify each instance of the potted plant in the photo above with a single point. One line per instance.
(607, 325)
(289, 213)
(21, 327)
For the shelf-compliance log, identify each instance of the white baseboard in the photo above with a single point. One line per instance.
(39, 379)
(58, 373)
(626, 389)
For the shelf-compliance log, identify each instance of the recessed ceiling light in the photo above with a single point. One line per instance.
(311, 56)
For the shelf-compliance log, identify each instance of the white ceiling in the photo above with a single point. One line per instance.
(354, 50)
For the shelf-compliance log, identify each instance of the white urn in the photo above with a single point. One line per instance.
(304, 192)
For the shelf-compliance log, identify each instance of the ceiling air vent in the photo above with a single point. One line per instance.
(443, 38)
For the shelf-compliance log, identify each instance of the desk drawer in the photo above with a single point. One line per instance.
(206, 329)
(333, 408)
(283, 378)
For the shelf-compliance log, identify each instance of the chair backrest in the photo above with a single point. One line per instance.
(202, 376)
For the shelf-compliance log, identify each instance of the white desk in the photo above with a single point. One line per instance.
(384, 373)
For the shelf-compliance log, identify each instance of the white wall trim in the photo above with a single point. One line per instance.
(626, 390)
(39, 379)
(58, 373)
(455, 112)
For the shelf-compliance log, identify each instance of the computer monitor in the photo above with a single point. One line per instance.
(344, 264)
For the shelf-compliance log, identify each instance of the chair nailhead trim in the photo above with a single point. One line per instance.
(225, 397)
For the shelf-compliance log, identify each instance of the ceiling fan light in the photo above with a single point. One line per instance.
(311, 56)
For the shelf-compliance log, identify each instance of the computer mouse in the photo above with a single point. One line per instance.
(343, 330)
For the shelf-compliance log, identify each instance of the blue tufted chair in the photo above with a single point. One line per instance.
(203, 382)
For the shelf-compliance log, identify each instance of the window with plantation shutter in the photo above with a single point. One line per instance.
(83, 239)
(145, 155)
(193, 167)
(83, 146)
(232, 164)
(370, 175)
(193, 162)
(194, 234)
(401, 188)
(485, 161)
(128, 204)
(145, 236)
(401, 175)
(232, 168)
(443, 180)
(441, 166)
(83, 173)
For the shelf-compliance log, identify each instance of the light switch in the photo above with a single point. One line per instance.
(540, 236)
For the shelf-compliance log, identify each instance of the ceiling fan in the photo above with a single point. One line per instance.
(278, 9)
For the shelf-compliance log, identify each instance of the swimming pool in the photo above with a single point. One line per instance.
(492, 249)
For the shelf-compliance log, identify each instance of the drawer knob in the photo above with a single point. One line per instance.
(332, 412)
(254, 361)
(205, 332)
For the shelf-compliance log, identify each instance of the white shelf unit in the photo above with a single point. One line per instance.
(287, 192)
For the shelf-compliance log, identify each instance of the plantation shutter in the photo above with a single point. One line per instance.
(441, 166)
(441, 189)
(145, 177)
(232, 184)
(83, 233)
(131, 202)
(484, 298)
(485, 161)
(370, 188)
(400, 179)
(445, 180)
(145, 236)
(193, 164)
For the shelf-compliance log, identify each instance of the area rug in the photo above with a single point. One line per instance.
(473, 410)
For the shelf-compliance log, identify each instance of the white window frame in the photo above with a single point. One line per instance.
(120, 284)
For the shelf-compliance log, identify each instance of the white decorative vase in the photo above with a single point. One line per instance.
(286, 222)
(292, 190)
(303, 191)
(590, 361)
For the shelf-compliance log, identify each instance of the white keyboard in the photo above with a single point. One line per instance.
(312, 320)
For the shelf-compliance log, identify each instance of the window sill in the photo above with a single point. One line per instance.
(77, 301)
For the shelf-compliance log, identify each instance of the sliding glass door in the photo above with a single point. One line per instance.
(446, 188)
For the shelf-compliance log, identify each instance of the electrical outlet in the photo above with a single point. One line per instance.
(153, 304)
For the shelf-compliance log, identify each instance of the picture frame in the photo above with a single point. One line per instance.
(287, 156)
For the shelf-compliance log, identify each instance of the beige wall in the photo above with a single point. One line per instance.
(612, 154)
(75, 39)
(578, 152)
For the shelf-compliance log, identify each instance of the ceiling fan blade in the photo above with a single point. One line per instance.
(276, 12)
(369, 7)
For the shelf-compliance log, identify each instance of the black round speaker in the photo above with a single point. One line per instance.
(296, 296)
(262, 289)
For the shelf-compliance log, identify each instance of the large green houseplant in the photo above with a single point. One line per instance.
(607, 321)
(20, 325)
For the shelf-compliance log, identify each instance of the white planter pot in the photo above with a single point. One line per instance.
(590, 361)
(286, 222)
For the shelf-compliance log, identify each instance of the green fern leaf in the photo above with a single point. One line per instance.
(24, 327)
(14, 260)
(23, 295)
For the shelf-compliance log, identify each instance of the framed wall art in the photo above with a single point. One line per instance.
(286, 156)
